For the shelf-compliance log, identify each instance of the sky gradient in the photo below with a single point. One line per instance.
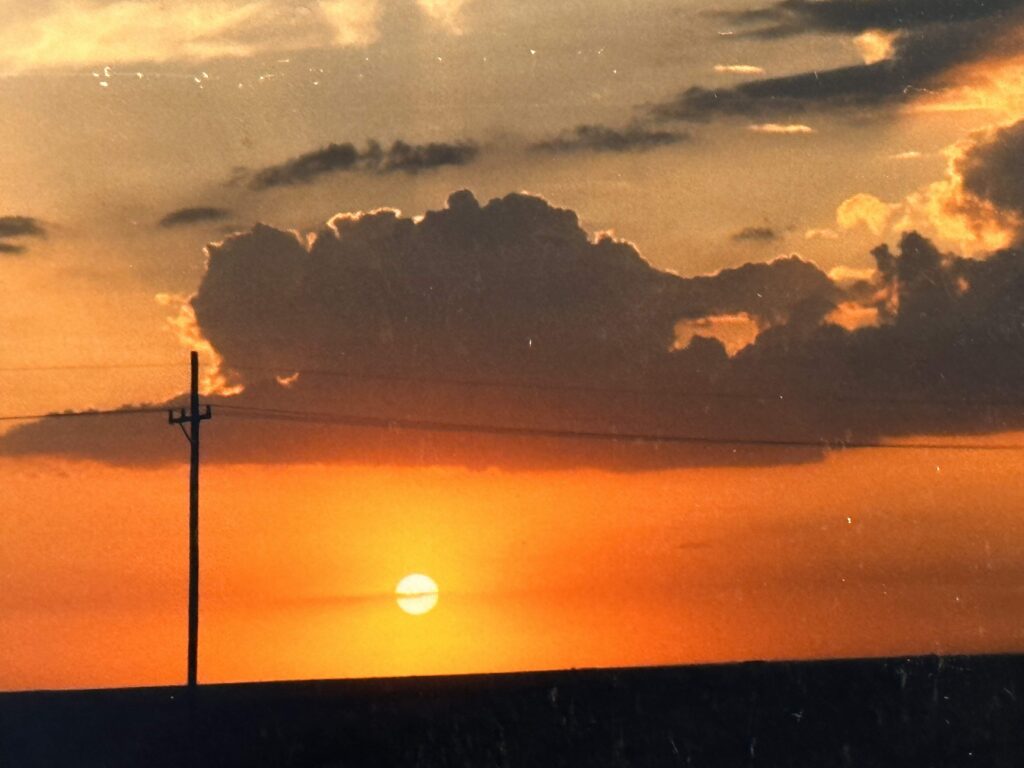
(746, 222)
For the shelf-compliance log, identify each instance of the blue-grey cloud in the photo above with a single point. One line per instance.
(792, 17)
(756, 234)
(21, 226)
(400, 156)
(601, 138)
(16, 228)
(929, 43)
(196, 215)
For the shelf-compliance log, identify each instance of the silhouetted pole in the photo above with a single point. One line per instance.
(192, 417)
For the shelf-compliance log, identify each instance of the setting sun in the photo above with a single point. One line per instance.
(417, 594)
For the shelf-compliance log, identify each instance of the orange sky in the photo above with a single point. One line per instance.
(867, 553)
(133, 133)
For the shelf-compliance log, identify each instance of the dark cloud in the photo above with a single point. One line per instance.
(336, 158)
(413, 158)
(791, 17)
(756, 234)
(923, 53)
(509, 314)
(21, 226)
(992, 169)
(186, 216)
(507, 287)
(770, 292)
(848, 87)
(945, 359)
(600, 138)
(18, 227)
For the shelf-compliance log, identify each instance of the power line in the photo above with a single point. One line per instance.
(675, 391)
(76, 414)
(483, 383)
(384, 422)
(352, 420)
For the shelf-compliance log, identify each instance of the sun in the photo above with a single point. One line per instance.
(416, 594)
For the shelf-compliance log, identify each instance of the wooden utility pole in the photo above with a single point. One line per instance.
(192, 417)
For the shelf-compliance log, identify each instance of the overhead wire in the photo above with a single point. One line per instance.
(555, 386)
(398, 424)
(78, 414)
(355, 420)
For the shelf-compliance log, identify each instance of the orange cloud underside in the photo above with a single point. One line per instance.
(867, 553)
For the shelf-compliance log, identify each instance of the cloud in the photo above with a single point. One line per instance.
(739, 69)
(80, 33)
(446, 12)
(186, 216)
(821, 234)
(875, 45)
(844, 274)
(864, 209)
(843, 88)
(510, 291)
(911, 46)
(910, 154)
(601, 138)
(991, 169)
(756, 234)
(337, 158)
(792, 129)
(957, 211)
(411, 158)
(945, 336)
(18, 227)
(977, 207)
(21, 226)
(508, 314)
(794, 17)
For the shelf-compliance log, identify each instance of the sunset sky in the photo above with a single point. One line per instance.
(768, 228)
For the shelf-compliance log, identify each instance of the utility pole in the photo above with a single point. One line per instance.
(192, 417)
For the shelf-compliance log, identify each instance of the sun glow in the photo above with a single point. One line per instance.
(416, 594)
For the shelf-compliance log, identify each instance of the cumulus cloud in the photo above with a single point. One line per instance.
(600, 138)
(977, 207)
(16, 228)
(992, 170)
(508, 314)
(947, 335)
(864, 209)
(83, 32)
(336, 158)
(187, 216)
(510, 292)
(756, 234)
(502, 286)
